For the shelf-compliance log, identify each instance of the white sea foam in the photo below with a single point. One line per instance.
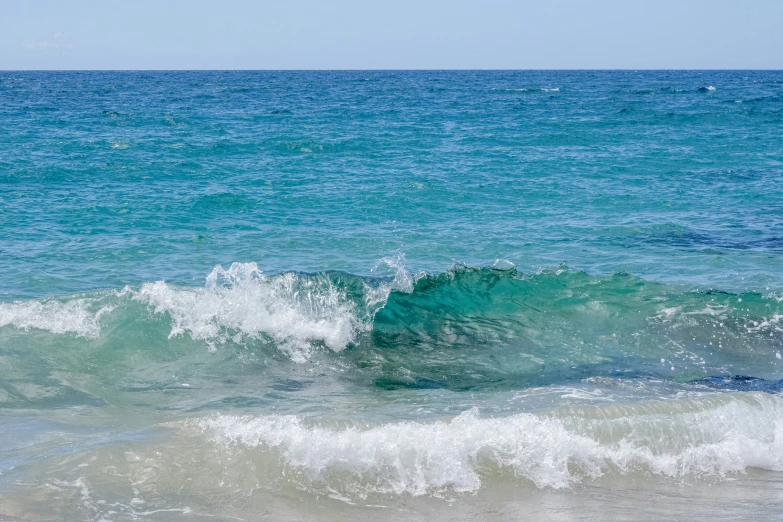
(772, 323)
(503, 264)
(776, 297)
(723, 434)
(77, 316)
(241, 301)
(376, 296)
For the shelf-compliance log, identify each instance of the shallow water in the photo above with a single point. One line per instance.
(418, 295)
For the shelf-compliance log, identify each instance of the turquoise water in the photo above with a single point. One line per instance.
(390, 294)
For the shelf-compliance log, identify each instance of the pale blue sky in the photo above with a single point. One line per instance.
(399, 34)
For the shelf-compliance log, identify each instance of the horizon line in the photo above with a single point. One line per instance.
(636, 69)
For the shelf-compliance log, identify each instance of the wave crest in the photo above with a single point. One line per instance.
(510, 328)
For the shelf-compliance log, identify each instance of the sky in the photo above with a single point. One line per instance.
(384, 34)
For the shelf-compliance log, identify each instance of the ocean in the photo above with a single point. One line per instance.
(391, 295)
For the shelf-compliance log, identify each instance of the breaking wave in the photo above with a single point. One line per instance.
(241, 301)
(505, 324)
(709, 436)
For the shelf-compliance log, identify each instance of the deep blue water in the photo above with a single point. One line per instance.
(113, 178)
(365, 287)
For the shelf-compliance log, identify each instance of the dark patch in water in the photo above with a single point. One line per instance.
(418, 383)
(290, 385)
(741, 383)
(683, 237)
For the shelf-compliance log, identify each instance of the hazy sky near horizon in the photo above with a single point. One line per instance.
(400, 34)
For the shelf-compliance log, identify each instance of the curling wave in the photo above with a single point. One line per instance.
(509, 328)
